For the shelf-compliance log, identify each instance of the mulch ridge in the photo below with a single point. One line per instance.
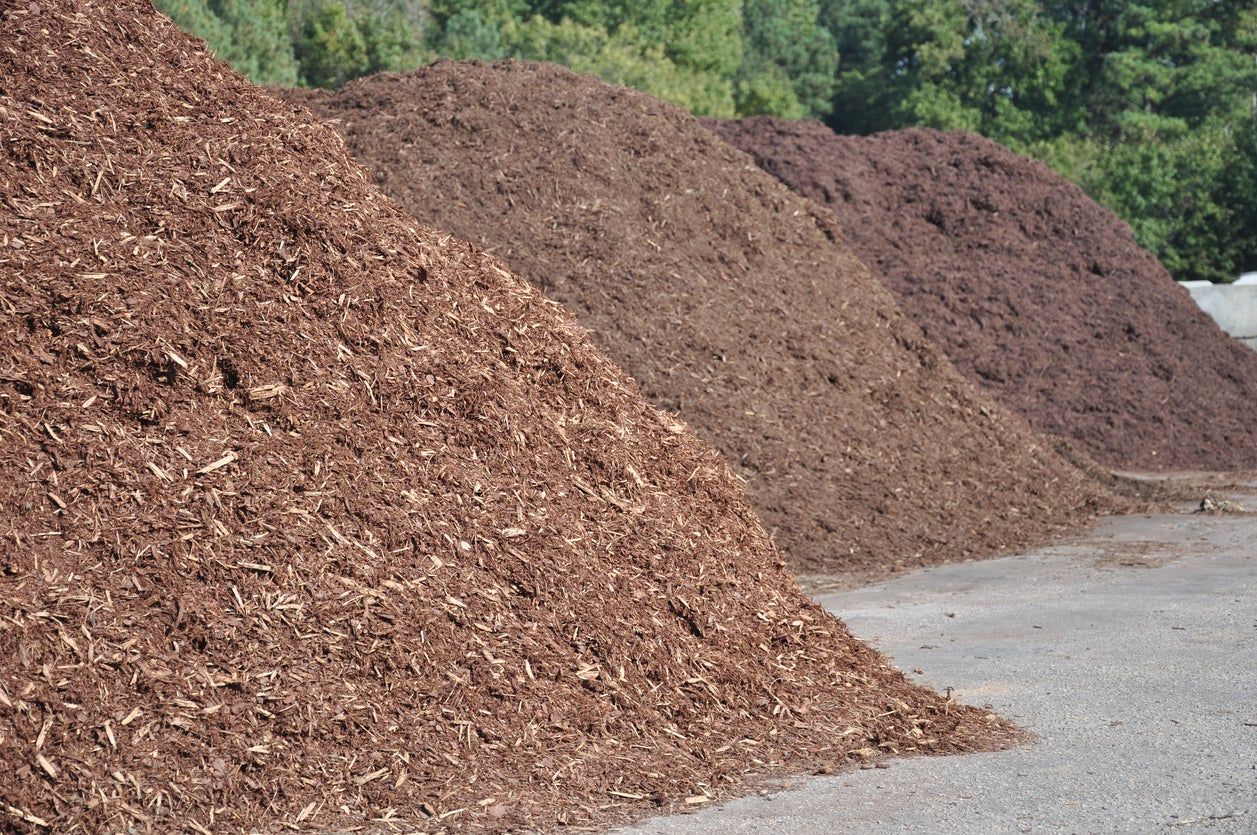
(1037, 293)
(317, 518)
(730, 301)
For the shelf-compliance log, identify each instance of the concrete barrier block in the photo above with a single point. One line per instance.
(1232, 306)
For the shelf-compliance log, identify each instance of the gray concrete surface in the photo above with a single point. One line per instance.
(1232, 306)
(1131, 652)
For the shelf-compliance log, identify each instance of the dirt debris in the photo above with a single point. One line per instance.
(316, 518)
(1212, 505)
(1035, 292)
(730, 299)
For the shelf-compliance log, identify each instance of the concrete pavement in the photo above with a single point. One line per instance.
(1131, 652)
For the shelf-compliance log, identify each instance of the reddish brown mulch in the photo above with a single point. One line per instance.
(314, 517)
(726, 297)
(1032, 289)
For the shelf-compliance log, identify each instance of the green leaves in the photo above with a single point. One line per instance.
(333, 46)
(259, 45)
(994, 66)
(790, 61)
(467, 34)
(1146, 104)
(315, 42)
(1149, 104)
(333, 49)
(621, 57)
(684, 51)
(251, 35)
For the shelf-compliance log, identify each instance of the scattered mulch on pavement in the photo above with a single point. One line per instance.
(1212, 504)
(727, 297)
(1034, 291)
(314, 518)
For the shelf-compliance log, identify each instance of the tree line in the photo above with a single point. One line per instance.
(1149, 105)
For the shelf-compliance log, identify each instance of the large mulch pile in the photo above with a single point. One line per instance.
(313, 517)
(1032, 289)
(728, 299)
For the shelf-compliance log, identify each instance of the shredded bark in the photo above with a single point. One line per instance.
(733, 302)
(315, 518)
(1037, 293)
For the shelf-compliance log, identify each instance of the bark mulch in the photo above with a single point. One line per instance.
(1037, 293)
(316, 518)
(731, 300)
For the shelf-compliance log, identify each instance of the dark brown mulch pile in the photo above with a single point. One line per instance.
(726, 297)
(1032, 289)
(314, 517)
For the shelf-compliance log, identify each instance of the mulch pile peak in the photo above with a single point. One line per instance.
(1035, 292)
(731, 302)
(314, 517)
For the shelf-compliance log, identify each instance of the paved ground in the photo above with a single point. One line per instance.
(1132, 652)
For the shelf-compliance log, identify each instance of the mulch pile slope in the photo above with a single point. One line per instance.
(313, 517)
(727, 298)
(1032, 289)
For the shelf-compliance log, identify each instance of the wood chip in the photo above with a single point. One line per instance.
(363, 779)
(46, 765)
(219, 464)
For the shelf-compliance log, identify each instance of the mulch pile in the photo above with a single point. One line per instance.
(728, 299)
(1032, 289)
(314, 517)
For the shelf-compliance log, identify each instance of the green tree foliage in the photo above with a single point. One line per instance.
(764, 88)
(332, 45)
(1172, 193)
(1148, 104)
(251, 35)
(704, 36)
(621, 58)
(859, 29)
(259, 45)
(195, 16)
(1239, 190)
(997, 67)
(394, 39)
(790, 59)
(467, 34)
(332, 48)
(685, 51)
(1165, 90)
(312, 42)
(1162, 65)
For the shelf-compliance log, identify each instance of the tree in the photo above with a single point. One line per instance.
(861, 88)
(331, 48)
(393, 38)
(259, 46)
(622, 57)
(251, 35)
(763, 87)
(685, 51)
(790, 59)
(998, 67)
(700, 36)
(993, 66)
(1238, 190)
(1167, 89)
(1160, 65)
(466, 34)
(1171, 192)
(195, 16)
